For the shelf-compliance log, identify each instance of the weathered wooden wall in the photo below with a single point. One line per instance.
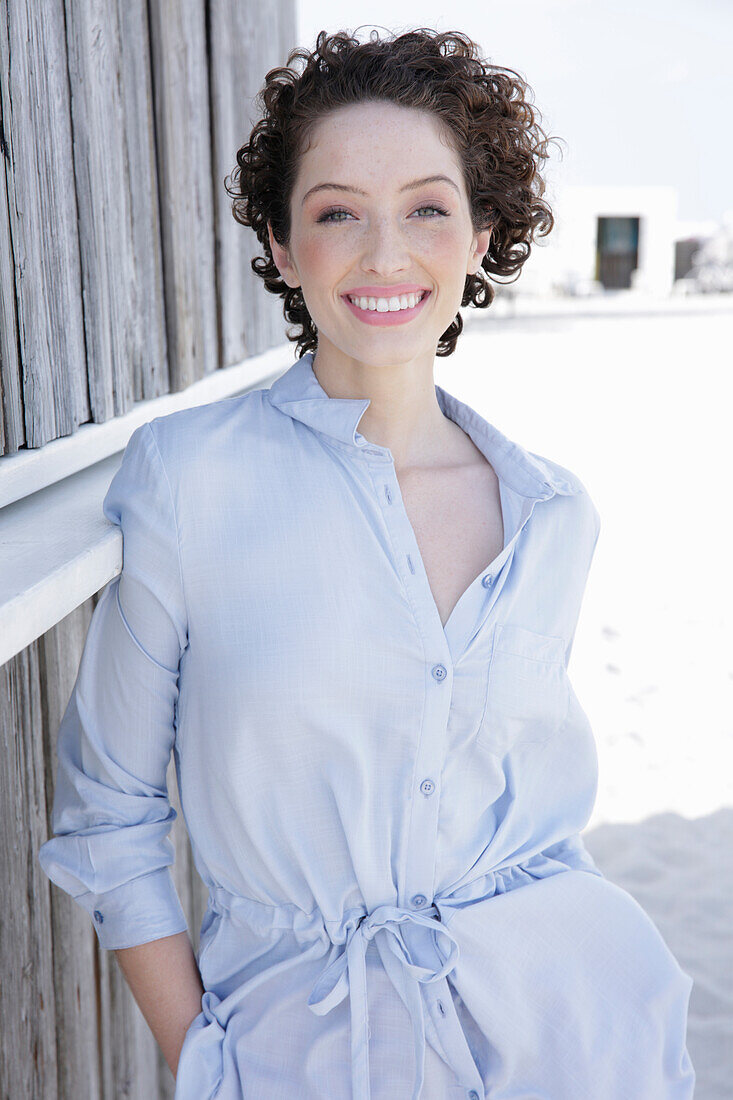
(122, 276)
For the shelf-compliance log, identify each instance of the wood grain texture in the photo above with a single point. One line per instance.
(246, 40)
(42, 220)
(116, 186)
(28, 1051)
(12, 430)
(148, 354)
(124, 274)
(183, 142)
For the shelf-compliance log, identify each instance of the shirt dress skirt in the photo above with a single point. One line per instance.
(386, 811)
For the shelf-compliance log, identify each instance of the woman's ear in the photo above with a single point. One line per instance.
(282, 260)
(480, 248)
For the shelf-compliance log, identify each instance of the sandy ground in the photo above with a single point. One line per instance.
(639, 407)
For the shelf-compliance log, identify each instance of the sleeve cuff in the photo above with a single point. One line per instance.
(144, 909)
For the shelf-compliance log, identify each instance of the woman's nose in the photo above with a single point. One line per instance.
(385, 249)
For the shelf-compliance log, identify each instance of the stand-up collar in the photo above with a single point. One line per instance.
(298, 393)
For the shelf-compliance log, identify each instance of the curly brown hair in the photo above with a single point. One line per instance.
(487, 109)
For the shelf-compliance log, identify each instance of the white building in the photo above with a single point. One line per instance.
(606, 237)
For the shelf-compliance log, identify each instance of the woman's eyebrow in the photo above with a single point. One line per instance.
(411, 186)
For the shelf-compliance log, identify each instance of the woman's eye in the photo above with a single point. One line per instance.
(338, 215)
(329, 215)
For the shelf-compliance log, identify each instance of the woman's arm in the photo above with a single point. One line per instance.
(111, 816)
(166, 984)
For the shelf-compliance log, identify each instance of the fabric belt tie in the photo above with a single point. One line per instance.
(430, 954)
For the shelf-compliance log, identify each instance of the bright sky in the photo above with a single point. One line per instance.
(640, 90)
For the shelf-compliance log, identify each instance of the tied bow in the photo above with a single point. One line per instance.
(431, 954)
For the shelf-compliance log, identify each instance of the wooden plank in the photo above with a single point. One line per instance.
(27, 1006)
(103, 200)
(246, 40)
(149, 350)
(12, 430)
(75, 975)
(183, 143)
(42, 215)
(117, 201)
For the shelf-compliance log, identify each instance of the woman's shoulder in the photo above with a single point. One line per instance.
(202, 422)
(559, 474)
(572, 485)
(217, 431)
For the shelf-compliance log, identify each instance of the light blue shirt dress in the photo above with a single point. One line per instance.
(386, 811)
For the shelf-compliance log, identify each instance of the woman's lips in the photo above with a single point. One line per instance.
(396, 317)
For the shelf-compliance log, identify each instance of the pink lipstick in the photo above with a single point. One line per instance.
(389, 317)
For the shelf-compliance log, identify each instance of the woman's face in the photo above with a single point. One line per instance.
(368, 220)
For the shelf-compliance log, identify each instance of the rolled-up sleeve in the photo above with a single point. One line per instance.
(111, 817)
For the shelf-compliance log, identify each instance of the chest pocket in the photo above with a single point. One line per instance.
(527, 691)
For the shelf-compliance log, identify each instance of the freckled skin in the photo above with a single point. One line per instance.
(386, 237)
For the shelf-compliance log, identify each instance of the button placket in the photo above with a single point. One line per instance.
(422, 837)
(417, 873)
(452, 1038)
(417, 883)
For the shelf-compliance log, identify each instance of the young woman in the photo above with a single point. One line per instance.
(347, 604)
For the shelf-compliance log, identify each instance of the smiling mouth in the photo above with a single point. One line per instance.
(386, 305)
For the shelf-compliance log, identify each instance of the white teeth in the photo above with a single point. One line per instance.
(388, 305)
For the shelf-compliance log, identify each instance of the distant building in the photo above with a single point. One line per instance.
(711, 265)
(606, 238)
(685, 252)
(692, 244)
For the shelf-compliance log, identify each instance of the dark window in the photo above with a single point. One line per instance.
(617, 251)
